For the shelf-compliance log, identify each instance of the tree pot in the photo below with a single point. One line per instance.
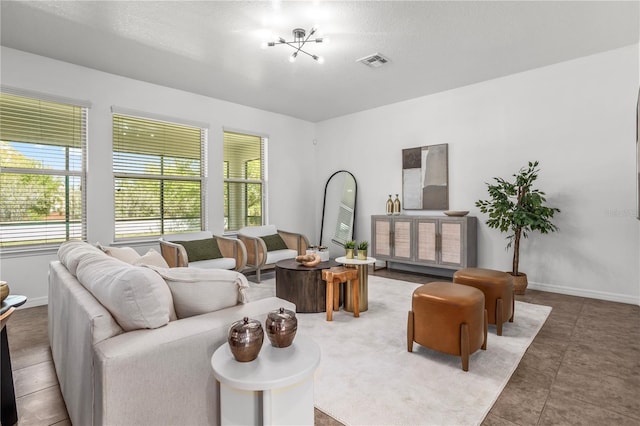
(362, 254)
(519, 282)
(349, 253)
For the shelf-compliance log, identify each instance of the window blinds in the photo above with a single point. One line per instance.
(42, 171)
(159, 177)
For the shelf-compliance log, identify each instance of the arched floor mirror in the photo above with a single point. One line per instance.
(338, 212)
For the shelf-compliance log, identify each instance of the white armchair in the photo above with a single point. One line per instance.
(265, 249)
(233, 251)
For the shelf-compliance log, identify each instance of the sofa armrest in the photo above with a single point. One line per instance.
(256, 251)
(143, 375)
(295, 241)
(174, 254)
(233, 248)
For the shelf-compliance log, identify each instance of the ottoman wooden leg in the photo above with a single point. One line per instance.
(486, 330)
(410, 332)
(464, 346)
(499, 317)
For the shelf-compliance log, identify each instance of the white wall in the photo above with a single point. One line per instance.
(291, 152)
(577, 118)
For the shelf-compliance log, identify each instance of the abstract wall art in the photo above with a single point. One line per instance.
(425, 178)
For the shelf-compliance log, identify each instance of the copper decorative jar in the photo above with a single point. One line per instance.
(245, 339)
(281, 326)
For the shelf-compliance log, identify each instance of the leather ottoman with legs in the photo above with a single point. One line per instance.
(498, 292)
(448, 318)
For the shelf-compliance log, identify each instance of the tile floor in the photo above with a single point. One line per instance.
(583, 368)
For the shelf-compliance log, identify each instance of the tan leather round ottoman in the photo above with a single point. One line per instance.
(497, 287)
(449, 318)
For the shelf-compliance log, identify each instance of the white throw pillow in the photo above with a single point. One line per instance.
(198, 291)
(151, 258)
(136, 297)
(126, 254)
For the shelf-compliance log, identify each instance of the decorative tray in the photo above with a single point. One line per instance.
(456, 212)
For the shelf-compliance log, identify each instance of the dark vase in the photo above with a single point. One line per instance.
(245, 339)
(281, 326)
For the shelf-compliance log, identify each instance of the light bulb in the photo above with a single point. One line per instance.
(293, 56)
(264, 45)
(320, 60)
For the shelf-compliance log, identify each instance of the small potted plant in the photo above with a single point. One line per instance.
(362, 250)
(517, 209)
(349, 246)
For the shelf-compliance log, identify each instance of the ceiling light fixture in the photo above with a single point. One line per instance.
(300, 38)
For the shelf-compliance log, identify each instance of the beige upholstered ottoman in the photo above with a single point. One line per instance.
(497, 287)
(449, 318)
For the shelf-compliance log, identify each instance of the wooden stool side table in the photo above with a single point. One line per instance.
(334, 277)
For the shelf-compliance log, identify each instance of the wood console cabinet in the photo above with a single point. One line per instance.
(434, 241)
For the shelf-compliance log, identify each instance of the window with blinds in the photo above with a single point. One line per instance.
(159, 177)
(244, 180)
(42, 172)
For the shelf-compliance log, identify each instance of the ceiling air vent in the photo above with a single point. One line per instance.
(374, 61)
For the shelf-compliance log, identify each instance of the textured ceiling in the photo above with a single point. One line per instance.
(213, 47)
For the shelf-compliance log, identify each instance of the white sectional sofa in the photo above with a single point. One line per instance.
(122, 355)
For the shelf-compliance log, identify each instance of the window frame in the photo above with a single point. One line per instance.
(153, 119)
(262, 181)
(52, 243)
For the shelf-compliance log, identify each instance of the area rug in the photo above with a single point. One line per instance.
(366, 375)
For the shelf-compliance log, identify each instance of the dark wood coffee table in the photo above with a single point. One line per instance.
(302, 285)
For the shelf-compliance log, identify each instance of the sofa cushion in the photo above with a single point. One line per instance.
(258, 231)
(221, 263)
(137, 297)
(71, 252)
(198, 291)
(274, 242)
(152, 258)
(201, 249)
(278, 255)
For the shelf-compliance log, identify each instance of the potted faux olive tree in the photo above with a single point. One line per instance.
(517, 209)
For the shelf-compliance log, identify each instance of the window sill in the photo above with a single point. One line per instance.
(9, 253)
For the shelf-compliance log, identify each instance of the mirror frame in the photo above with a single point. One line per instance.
(324, 203)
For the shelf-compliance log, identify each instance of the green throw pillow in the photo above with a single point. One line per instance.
(201, 249)
(274, 242)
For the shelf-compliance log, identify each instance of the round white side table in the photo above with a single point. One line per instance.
(275, 388)
(362, 266)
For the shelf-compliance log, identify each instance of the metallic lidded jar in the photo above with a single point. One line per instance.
(245, 339)
(281, 326)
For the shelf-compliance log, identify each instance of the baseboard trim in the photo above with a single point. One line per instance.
(36, 301)
(571, 291)
(591, 294)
